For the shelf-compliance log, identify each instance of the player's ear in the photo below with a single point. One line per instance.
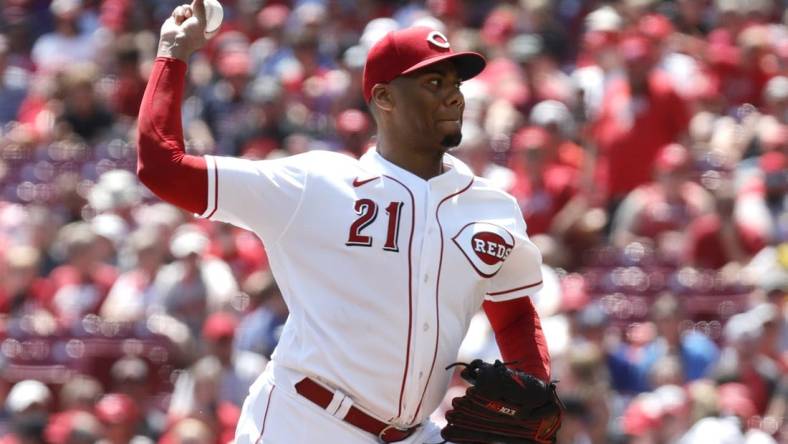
(381, 97)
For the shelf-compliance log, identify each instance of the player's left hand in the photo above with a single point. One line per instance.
(503, 406)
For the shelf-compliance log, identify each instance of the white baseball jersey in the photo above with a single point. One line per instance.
(382, 270)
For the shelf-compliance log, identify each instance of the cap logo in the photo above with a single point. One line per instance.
(438, 39)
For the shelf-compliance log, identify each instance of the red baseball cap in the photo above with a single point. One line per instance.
(219, 325)
(407, 50)
(672, 157)
(736, 398)
(117, 408)
(772, 162)
(655, 26)
(636, 48)
(641, 416)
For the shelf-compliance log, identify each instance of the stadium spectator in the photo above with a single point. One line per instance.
(118, 192)
(80, 393)
(73, 427)
(557, 120)
(239, 368)
(13, 84)
(475, 150)
(660, 350)
(353, 128)
(22, 290)
(68, 44)
(120, 417)
(29, 404)
(640, 114)
(717, 239)
(261, 324)
(129, 84)
(192, 286)
(224, 109)
(743, 361)
(668, 204)
(543, 184)
(240, 249)
(130, 376)
(196, 392)
(82, 282)
(84, 112)
(111, 230)
(131, 293)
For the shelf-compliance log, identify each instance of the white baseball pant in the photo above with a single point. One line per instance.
(276, 414)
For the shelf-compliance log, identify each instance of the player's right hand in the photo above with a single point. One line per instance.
(184, 32)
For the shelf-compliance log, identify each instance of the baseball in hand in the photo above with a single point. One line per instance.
(213, 15)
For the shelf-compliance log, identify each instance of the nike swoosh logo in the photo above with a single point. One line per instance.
(357, 182)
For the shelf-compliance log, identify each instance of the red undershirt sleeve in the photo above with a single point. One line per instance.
(519, 335)
(162, 163)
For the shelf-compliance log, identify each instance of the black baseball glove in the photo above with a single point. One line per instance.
(503, 406)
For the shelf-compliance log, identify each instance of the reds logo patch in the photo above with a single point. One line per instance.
(485, 245)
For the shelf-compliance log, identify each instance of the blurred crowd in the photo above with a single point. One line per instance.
(645, 141)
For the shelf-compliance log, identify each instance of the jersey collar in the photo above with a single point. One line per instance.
(457, 174)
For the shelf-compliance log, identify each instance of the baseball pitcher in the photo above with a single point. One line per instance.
(382, 261)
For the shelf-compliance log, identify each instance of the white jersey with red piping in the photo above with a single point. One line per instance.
(382, 270)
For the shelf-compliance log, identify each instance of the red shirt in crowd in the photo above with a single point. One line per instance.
(659, 215)
(33, 296)
(706, 248)
(542, 199)
(631, 130)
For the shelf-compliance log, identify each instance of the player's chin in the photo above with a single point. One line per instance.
(451, 139)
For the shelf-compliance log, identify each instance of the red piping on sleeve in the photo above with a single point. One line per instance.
(519, 335)
(162, 163)
(498, 293)
(215, 190)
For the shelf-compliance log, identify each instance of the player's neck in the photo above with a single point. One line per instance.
(422, 163)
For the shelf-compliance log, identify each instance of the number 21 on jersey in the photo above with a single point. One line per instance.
(367, 211)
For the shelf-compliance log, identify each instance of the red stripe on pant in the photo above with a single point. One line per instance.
(262, 428)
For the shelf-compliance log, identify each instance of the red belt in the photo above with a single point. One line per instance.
(322, 396)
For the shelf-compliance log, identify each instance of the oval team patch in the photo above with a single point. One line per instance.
(485, 245)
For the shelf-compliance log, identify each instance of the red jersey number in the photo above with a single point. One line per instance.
(394, 210)
(367, 211)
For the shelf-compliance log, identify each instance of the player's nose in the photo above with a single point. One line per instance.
(455, 98)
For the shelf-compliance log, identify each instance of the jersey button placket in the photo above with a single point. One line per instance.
(420, 277)
(423, 340)
(425, 313)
